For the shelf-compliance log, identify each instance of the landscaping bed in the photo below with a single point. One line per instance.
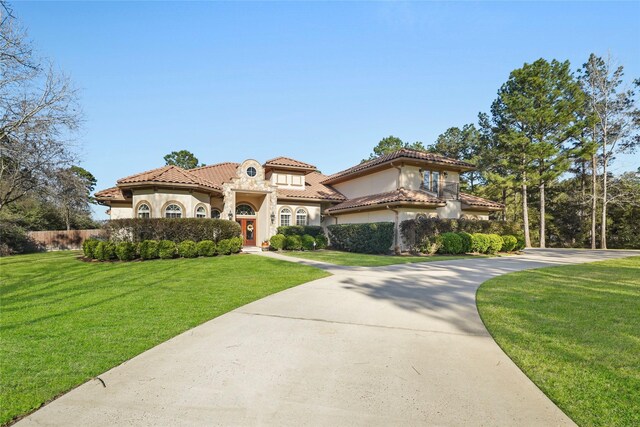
(575, 331)
(64, 321)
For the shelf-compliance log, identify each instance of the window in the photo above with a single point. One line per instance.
(296, 179)
(281, 179)
(435, 182)
(285, 216)
(201, 212)
(245, 209)
(431, 181)
(173, 211)
(144, 211)
(215, 213)
(251, 171)
(301, 217)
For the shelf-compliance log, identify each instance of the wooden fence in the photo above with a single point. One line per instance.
(63, 239)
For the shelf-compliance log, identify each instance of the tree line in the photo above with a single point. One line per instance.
(545, 149)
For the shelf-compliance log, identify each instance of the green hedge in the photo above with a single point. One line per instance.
(148, 249)
(104, 251)
(451, 243)
(188, 249)
(167, 249)
(321, 241)
(509, 243)
(372, 238)
(293, 242)
(495, 243)
(206, 248)
(415, 231)
(480, 243)
(277, 242)
(300, 230)
(89, 247)
(126, 251)
(175, 229)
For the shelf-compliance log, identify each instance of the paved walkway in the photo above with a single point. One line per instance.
(397, 345)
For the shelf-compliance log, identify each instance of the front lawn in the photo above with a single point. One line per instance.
(65, 321)
(367, 260)
(575, 331)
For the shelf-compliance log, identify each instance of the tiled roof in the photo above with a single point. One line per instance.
(111, 194)
(313, 190)
(288, 162)
(218, 173)
(169, 175)
(475, 201)
(403, 153)
(392, 197)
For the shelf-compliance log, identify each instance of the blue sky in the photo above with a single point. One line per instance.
(320, 82)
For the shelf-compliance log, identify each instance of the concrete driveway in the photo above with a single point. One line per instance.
(397, 345)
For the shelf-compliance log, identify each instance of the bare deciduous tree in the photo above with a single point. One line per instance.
(39, 114)
(615, 119)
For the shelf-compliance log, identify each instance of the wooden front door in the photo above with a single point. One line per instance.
(249, 230)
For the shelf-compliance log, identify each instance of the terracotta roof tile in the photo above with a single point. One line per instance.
(111, 194)
(404, 153)
(218, 173)
(169, 175)
(392, 197)
(313, 190)
(288, 162)
(475, 201)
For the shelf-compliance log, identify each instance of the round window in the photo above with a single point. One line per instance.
(251, 171)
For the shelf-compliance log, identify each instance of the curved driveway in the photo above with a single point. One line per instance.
(397, 345)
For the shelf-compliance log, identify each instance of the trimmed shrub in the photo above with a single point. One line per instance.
(174, 229)
(89, 247)
(105, 251)
(224, 247)
(293, 242)
(321, 241)
(188, 249)
(521, 244)
(308, 242)
(372, 238)
(467, 241)
(413, 231)
(426, 246)
(206, 248)
(126, 251)
(450, 243)
(167, 249)
(300, 230)
(510, 243)
(148, 249)
(480, 243)
(235, 244)
(495, 243)
(277, 242)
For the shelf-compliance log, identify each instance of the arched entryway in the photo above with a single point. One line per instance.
(246, 217)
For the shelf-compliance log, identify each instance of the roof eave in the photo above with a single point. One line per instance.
(392, 205)
(156, 184)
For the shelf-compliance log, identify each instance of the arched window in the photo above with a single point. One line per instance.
(244, 209)
(144, 211)
(215, 213)
(201, 212)
(301, 216)
(285, 216)
(173, 211)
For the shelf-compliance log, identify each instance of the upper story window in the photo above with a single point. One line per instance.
(301, 216)
(215, 213)
(245, 209)
(173, 211)
(144, 211)
(285, 216)
(201, 212)
(251, 171)
(296, 179)
(431, 181)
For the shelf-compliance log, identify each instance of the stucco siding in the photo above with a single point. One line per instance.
(381, 215)
(121, 211)
(379, 182)
(451, 210)
(162, 197)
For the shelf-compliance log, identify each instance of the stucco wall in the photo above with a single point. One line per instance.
(379, 182)
(160, 198)
(477, 214)
(451, 210)
(121, 211)
(288, 179)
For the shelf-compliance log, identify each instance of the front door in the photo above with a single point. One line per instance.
(249, 229)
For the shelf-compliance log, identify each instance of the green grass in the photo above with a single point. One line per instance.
(367, 260)
(575, 331)
(64, 321)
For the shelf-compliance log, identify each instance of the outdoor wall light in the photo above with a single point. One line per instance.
(230, 216)
(273, 218)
